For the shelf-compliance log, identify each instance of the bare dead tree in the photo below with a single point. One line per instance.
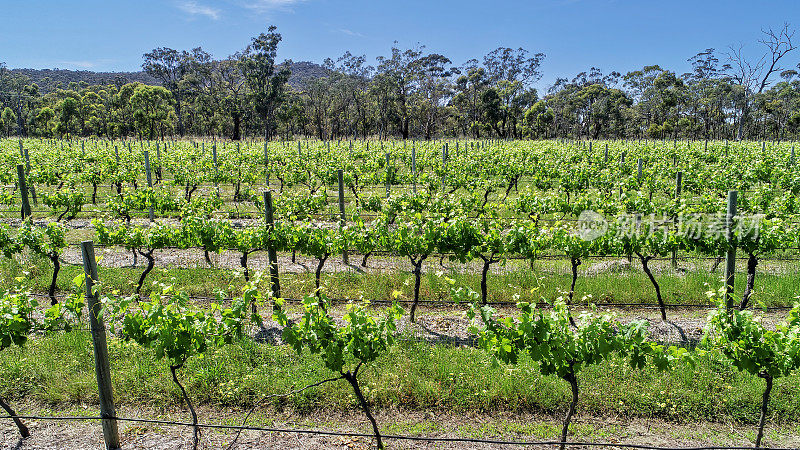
(778, 45)
(754, 75)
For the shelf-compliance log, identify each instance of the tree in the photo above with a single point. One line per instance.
(171, 67)
(468, 99)
(513, 65)
(709, 92)
(265, 79)
(18, 93)
(8, 120)
(753, 76)
(151, 109)
(659, 95)
(351, 77)
(512, 72)
(432, 87)
(318, 98)
(43, 121)
(68, 116)
(398, 73)
(538, 119)
(231, 91)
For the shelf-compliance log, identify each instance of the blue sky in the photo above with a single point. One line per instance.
(112, 35)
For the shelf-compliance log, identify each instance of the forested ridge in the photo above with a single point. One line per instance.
(51, 80)
(411, 93)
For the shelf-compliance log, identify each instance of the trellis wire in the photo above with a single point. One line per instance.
(387, 436)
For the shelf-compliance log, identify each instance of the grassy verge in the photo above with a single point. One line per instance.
(547, 278)
(58, 370)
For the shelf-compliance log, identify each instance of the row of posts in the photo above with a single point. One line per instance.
(100, 346)
(102, 366)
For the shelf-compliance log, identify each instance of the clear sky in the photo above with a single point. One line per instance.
(622, 35)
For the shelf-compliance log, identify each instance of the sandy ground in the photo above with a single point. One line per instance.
(88, 435)
(378, 263)
(449, 324)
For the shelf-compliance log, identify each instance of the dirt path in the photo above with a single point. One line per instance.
(379, 263)
(441, 424)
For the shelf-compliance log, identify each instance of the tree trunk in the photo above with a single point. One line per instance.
(23, 430)
(752, 262)
(742, 119)
(573, 382)
(645, 260)
(575, 263)
(364, 259)
(417, 281)
(318, 272)
(151, 262)
(56, 267)
(195, 428)
(764, 403)
(243, 262)
(237, 126)
(179, 113)
(351, 378)
(189, 192)
(484, 273)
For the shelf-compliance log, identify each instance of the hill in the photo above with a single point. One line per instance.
(49, 80)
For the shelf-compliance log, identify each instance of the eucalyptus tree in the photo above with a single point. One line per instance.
(433, 87)
(151, 110)
(659, 95)
(353, 77)
(318, 101)
(8, 120)
(18, 94)
(709, 92)
(398, 72)
(170, 67)
(512, 71)
(470, 88)
(265, 79)
(231, 91)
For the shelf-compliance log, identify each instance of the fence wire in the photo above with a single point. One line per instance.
(384, 436)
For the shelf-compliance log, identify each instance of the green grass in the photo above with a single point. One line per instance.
(549, 279)
(59, 370)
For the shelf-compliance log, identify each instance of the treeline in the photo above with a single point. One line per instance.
(413, 93)
(49, 80)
